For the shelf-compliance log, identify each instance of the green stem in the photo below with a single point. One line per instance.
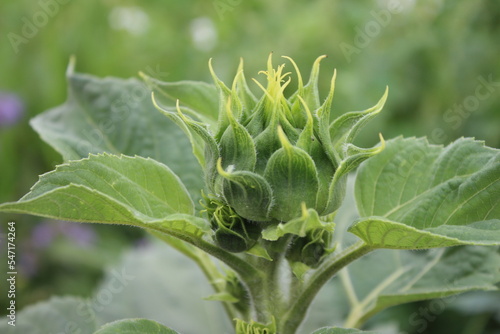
(296, 314)
(261, 295)
(272, 299)
(275, 285)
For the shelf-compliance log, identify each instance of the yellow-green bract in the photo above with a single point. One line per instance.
(266, 157)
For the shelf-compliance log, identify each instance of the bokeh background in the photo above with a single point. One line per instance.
(440, 59)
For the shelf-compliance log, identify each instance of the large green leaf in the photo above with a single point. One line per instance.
(135, 326)
(111, 189)
(69, 315)
(116, 116)
(386, 278)
(398, 277)
(415, 195)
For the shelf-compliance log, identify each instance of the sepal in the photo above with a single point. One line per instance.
(236, 145)
(292, 175)
(232, 232)
(249, 194)
(205, 148)
(311, 249)
(307, 222)
(354, 157)
(344, 129)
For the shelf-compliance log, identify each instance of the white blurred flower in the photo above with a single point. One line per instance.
(132, 19)
(203, 33)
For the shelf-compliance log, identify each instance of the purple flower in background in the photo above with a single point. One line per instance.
(42, 235)
(29, 262)
(11, 108)
(142, 243)
(82, 235)
(45, 233)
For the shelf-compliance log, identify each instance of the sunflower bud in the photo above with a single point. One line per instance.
(310, 249)
(267, 157)
(232, 232)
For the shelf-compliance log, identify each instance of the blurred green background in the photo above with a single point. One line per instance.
(439, 58)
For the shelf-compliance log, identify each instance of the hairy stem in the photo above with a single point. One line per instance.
(294, 317)
(273, 301)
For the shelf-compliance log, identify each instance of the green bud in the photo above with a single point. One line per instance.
(310, 249)
(265, 157)
(232, 232)
(248, 193)
(238, 238)
(253, 327)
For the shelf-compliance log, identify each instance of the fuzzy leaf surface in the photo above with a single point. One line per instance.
(415, 195)
(115, 190)
(399, 276)
(116, 116)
